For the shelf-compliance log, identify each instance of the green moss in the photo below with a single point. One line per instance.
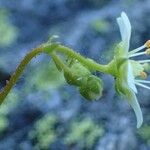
(100, 25)
(6, 107)
(44, 132)
(3, 123)
(10, 103)
(84, 133)
(144, 133)
(46, 77)
(7, 31)
(129, 2)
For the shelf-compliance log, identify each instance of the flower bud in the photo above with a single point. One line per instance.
(77, 75)
(93, 88)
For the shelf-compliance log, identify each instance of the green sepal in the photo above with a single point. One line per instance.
(119, 51)
(121, 77)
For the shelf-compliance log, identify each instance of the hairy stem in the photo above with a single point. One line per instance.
(49, 49)
(18, 72)
(88, 62)
(59, 62)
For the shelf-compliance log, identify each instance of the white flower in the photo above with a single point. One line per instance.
(127, 69)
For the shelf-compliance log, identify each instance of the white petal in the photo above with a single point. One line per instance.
(125, 30)
(126, 22)
(130, 78)
(136, 107)
(121, 27)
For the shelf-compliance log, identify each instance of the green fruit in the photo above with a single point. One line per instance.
(77, 75)
(93, 88)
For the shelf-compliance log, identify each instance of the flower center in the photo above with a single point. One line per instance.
(143, 75)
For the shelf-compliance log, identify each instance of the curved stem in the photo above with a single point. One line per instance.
(15, 76)
(59, 62)
(18, 72)
(49, 48)
(86, 61)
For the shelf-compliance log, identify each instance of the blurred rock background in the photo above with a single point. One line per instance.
(42, 112)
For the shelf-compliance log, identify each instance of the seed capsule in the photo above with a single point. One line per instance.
(77, 75)
(93, 88)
